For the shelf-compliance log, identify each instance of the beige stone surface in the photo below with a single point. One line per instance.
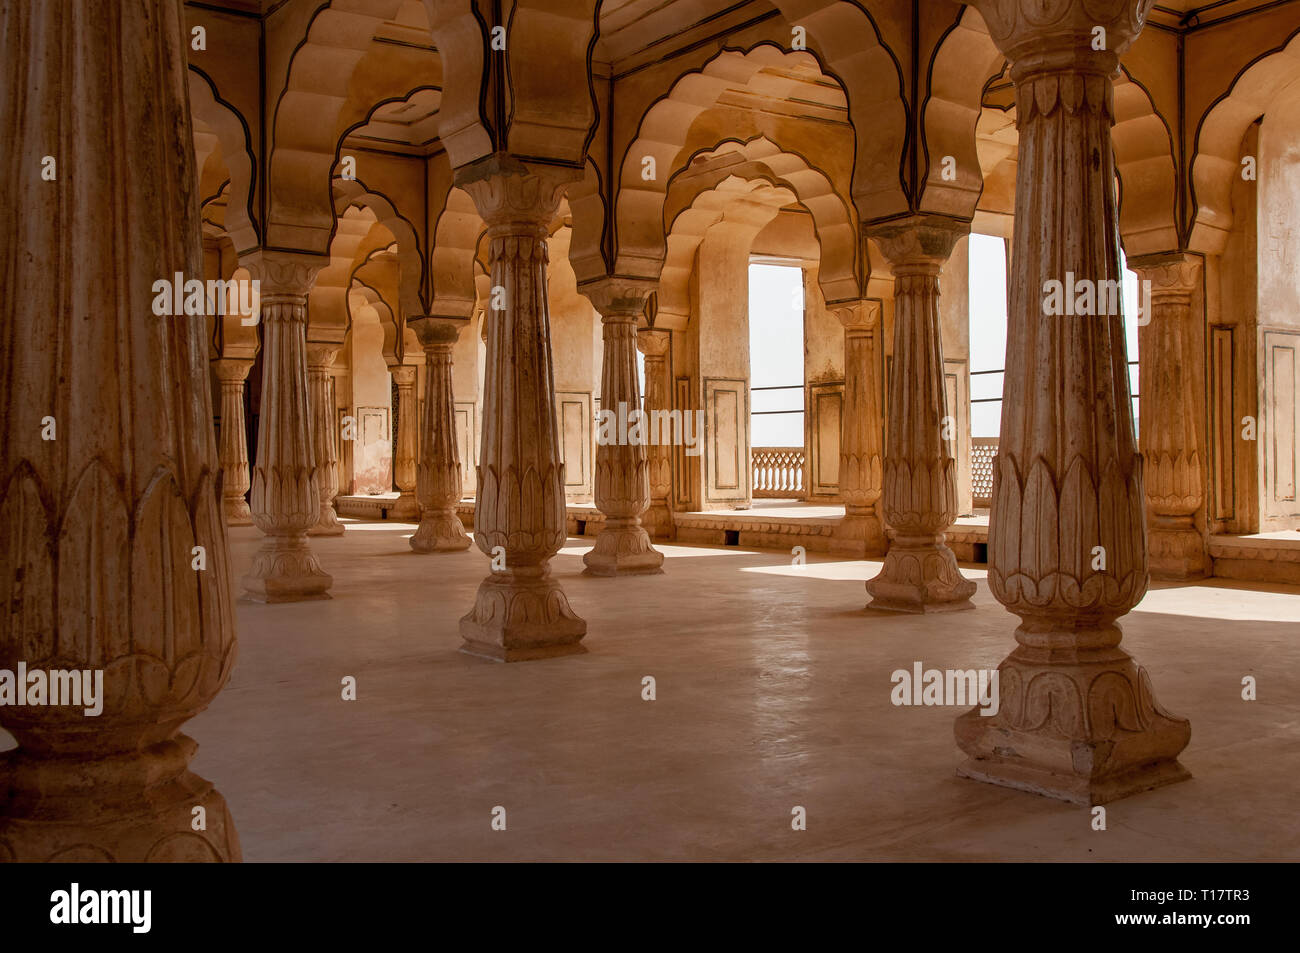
(775, 694)
(465, 247)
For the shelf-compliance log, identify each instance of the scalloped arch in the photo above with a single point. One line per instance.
(1216, 152)
(232, 134)
(764, 160)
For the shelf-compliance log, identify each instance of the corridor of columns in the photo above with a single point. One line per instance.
(612, 409)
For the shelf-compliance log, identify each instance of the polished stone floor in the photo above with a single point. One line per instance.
(773, 691)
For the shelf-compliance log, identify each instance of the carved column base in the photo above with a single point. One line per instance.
(920, 575)
(623, 549)
(406, 507)
(440, 531)
(520, 615)
(860, 533)
(285, 570)
(1087, 731)
(136, 808)
(236, 511)
(1177, 549)
(658, 521)
(328, 523)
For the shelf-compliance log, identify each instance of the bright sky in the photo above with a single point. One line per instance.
(988, 330)
(776, 354)
(776, 346)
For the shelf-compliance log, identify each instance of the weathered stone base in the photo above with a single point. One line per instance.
(137, 808)
(920, 575)
(1087, 731)
(328, 523)
(1178, 553)
(1085, 791)
(859, 536)
(237, 512)
(658, 522)
(406, 507)
(521, 615)
(623, 549)
(440, 531)
(285, 570)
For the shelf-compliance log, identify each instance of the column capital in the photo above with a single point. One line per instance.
(1048, 35)
(652, 342)
(863, 315)
(918, 240)
(321, 354)
(510, 192)
(284, 273)
(403, 374)
(1170, 273)
(231, 370)
(432, 329)
(618, 296)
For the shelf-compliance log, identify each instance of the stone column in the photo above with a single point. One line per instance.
(655, 345)
(324, 435)
(622, 471)
(862, 441)
(233, 452)
(520, 612)
(108, 467)
(286, 482)
(920, 479)
(1172, 424)
(408, 446)
(1067, 538)
(438, 484)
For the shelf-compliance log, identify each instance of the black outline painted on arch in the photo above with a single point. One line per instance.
(1173, 156)
(604, 217)
(275, 113)
(359, 202)
(399, 323)
(253, 220)
(425, 276)
(485, 88)
(851, 212)
(1195, 209)
(923, 145)
(433, 239)
(615, 183)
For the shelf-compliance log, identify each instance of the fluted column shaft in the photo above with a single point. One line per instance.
(622, 468)
(320, 397)
(862, 531)
(919, 497)
(1172, 429)
(232, 454)
(1067, 536)
(408, 442)
(286, 487)
(520, 612)
(658, 517)
(108, 465)
(438, 483)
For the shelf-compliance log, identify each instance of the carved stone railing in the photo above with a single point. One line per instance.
(983, 452)
(778, 473)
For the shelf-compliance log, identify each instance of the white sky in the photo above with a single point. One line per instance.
(988, 329)
(776, 354)
(776, 346)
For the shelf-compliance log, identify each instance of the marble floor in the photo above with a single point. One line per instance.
(773, 691)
